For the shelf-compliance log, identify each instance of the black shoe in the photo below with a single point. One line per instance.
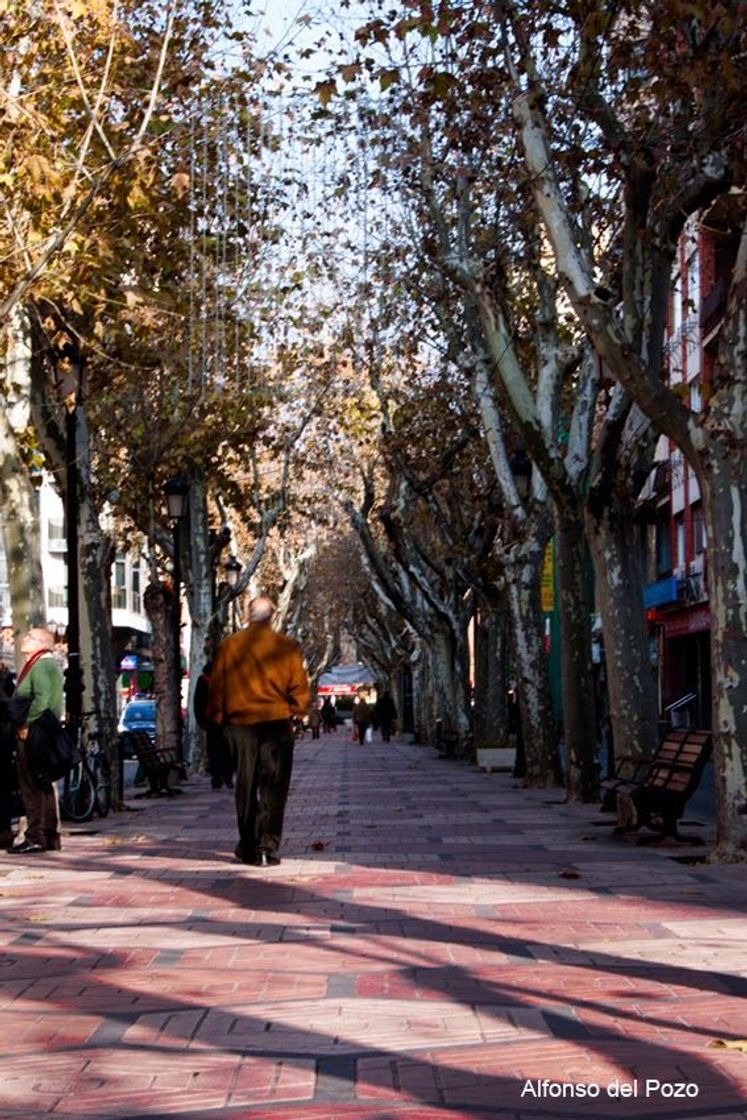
(27, 848)
(245, 857)
(267, 859)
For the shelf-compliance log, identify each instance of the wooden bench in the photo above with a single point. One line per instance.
(157, 763)
(631, 770)
(656, 791)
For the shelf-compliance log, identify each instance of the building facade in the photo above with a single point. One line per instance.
(673, 528)
(130, 626)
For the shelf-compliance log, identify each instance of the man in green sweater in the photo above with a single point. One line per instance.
(40, 681)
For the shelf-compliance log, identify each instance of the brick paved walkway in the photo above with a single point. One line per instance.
(435, 943)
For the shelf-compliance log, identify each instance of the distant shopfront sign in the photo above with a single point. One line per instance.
(547, 579)
(693, 623)
(345, 680)
(129, 662)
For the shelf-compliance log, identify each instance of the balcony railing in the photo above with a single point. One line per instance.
(713, 305)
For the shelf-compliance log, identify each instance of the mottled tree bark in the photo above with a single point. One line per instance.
(19, 499)
(631, 682)
(491, 678)
(582, 770)
(199, 596)
(530, 662)
(159, 604)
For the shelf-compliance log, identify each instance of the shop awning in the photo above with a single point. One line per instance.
(343, 680)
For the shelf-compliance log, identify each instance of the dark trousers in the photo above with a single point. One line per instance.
(386, 732)
(362, 728)
(263, 754)
(219, 757)
(8, 784)
(40, 805)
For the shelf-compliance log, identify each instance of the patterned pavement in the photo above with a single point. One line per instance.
(436, 943)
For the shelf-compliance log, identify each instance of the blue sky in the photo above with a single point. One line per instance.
(277, 23)
(278, 18)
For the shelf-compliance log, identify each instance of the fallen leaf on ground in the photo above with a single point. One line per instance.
(569, 873)
(723, 1044)
(318, 845)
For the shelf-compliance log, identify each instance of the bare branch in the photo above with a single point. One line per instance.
(92, 113)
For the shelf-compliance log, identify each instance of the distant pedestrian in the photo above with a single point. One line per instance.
(8, 779)
(385, 712)
(257, 685)
(361, 718)
(40, 681)
(315, 721)
(219, 759)
(329, 719)
(7, 681)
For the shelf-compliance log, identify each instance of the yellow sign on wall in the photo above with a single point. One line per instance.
(547, 579)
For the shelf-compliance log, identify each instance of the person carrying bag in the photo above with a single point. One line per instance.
(42, 745)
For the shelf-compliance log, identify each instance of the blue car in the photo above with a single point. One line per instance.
(139, 715)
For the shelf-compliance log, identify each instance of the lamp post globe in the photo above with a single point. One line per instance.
(232, 568)
(176, 491)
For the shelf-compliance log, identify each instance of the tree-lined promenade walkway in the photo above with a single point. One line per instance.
(435, 942)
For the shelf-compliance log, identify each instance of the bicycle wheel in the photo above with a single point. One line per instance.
(103, 777)
(78, 794)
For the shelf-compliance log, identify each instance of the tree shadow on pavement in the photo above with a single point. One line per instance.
(446, 1075)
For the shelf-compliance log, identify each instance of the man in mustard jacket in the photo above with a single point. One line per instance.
(258, 683)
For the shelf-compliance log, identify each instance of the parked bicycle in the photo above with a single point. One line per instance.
(87, 788)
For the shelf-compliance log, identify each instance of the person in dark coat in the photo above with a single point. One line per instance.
(8, 779)
(315, 721)
(329, 719)
(219, 760)
(385, 713)
(361, 717)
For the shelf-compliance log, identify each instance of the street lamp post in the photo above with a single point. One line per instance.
(232, 568)
(69, 377)
(176, 490)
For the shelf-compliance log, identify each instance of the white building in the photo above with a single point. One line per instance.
(130, 626)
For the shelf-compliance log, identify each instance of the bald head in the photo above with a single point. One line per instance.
(261, 609)
(37, 638)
